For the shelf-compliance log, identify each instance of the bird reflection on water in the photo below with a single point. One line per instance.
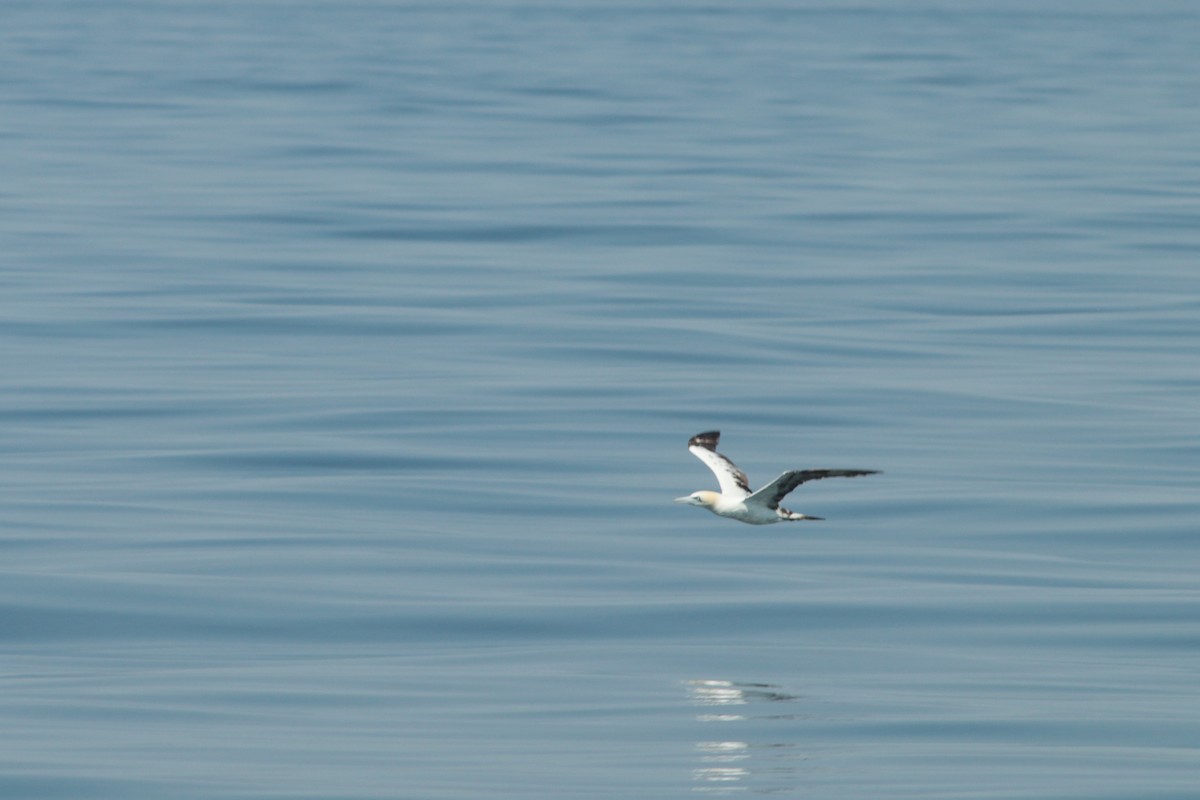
(730, 764)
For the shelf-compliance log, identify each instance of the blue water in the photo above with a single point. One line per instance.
(350, 351)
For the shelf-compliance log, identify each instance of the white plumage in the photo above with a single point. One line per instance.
(737, 501)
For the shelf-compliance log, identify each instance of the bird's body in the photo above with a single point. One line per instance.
(737, 501)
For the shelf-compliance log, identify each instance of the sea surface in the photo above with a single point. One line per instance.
(349, 352)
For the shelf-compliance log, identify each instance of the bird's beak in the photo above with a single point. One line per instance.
(683, 499)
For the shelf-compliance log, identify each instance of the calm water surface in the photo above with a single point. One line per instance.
(350, 351)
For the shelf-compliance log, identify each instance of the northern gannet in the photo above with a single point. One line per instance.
(736, 501)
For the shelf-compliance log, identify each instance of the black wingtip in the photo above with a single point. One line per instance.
(708, 440)
(838, 473)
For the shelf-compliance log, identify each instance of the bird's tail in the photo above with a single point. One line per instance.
(792, 515)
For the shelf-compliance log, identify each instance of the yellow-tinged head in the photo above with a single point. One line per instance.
(702, 499)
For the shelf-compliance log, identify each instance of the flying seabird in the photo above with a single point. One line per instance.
(737, 501)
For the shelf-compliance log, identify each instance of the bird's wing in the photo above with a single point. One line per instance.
(734, 483)
(776, 490)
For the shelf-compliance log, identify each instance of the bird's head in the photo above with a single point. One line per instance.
(703, 499)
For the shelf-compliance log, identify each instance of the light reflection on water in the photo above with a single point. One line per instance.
(729, 765)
